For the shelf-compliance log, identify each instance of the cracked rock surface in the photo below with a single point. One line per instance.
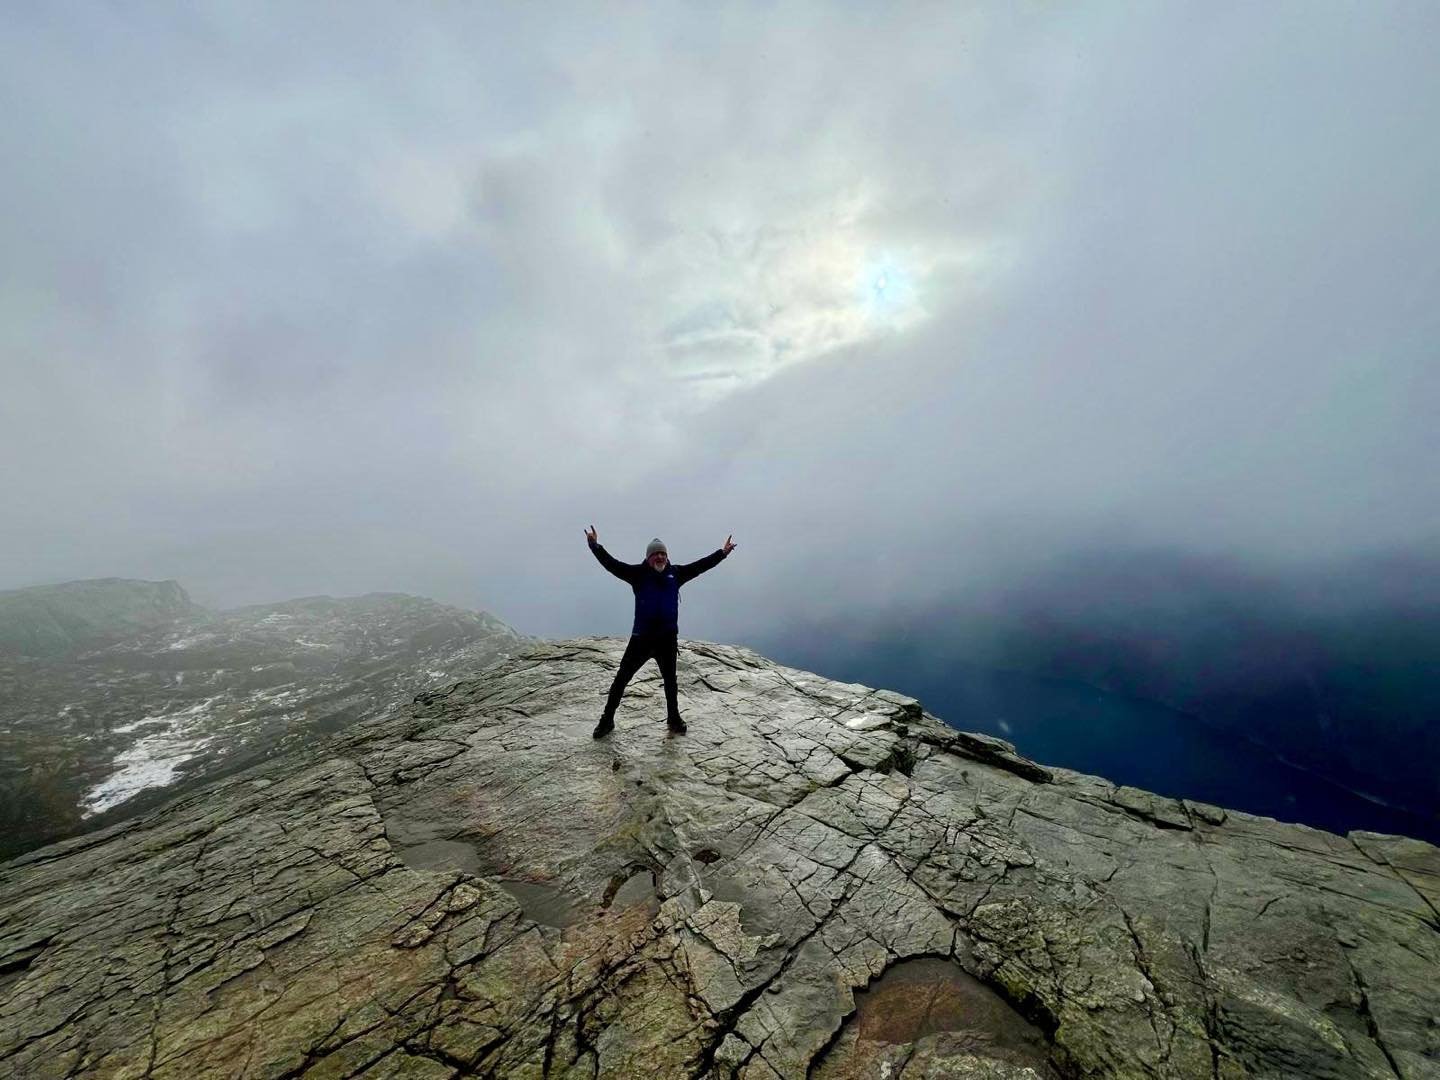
(819, 880)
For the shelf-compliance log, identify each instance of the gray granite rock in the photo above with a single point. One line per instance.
(820, 879)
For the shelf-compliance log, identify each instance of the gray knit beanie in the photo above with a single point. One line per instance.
(656, 545)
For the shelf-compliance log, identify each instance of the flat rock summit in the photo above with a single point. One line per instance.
(819, 880)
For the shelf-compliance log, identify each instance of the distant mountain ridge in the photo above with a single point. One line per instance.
(48, 620)
(114, 691)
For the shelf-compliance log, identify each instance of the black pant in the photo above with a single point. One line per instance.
(642, 647)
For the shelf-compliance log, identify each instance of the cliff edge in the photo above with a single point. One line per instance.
(819, 880)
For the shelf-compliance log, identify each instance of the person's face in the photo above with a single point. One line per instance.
(658, 560)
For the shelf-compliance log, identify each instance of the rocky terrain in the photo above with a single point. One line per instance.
(113, 690)
(819, 880)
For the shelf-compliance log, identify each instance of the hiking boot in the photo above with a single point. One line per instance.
(604, 727)
(676, 725)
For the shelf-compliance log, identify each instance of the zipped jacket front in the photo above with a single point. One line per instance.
(657, 593)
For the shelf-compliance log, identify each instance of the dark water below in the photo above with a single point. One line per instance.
(1126, 741)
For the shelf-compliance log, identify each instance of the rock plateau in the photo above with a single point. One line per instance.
(819, 880)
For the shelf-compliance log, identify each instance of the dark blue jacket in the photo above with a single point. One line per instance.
(657, 595)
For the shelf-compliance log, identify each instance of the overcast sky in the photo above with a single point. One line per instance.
(304, 298)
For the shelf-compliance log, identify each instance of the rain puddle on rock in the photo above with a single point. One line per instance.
(933, 1015)
(544, 904)
(430, 843)
(421, 844)
(540, 903)
(440, 855)
(633, 890)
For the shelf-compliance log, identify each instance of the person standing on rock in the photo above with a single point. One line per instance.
(656, 632)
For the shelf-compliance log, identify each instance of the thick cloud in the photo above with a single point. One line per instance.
(374, 298)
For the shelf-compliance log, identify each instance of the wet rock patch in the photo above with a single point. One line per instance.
(545, 904)
(922, 997)
(632, 890)
(927, 1016)
(440, 855)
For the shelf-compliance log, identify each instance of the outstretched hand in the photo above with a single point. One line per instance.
(590, 534)
(729, 544)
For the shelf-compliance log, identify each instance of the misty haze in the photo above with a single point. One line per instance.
(1071, 372)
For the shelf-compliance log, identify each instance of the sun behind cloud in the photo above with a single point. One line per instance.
(887, 292)
(749, 303)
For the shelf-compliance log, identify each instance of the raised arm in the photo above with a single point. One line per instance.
(623, 571)
(699, 566)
